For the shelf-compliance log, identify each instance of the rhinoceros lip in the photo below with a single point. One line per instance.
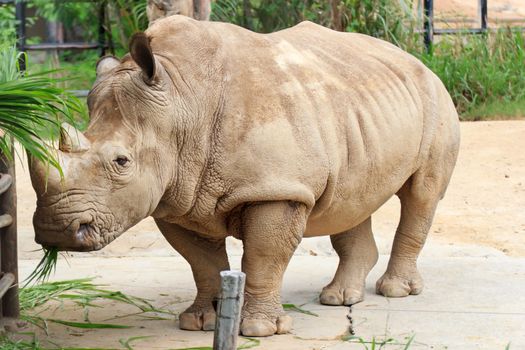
(85, 238)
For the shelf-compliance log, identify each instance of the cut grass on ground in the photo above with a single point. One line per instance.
(81, 292)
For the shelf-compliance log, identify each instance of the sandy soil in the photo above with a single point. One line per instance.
(497, 9)
(483, 206)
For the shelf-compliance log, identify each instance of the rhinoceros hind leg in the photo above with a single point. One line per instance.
(271, 232)
(419, 198)
(402, 277)
(206, 258)
(357, 255)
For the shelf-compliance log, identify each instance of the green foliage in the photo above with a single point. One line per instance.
(7, 24)
(393, 21)
(389, 20)
(480, 70)
(76, 16)
(30, 106)
(268, 15)
(127, 17)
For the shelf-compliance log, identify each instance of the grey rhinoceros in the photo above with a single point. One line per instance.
(217, 131)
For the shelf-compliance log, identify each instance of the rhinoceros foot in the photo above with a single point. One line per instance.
(332, 295)
(357, 256)
(400, 285)
(260, 327)
(263, 315)
(196, 319)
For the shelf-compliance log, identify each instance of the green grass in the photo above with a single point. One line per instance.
(481, 71)
(81, 292)
(497, 110)
(293, 307)
(44, 268)
(376, 344)
(35, 300)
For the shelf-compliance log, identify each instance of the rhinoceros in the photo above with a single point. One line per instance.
(198, 9)
(217, 131)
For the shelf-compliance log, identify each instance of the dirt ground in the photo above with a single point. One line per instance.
(483, 206)
(497, 9)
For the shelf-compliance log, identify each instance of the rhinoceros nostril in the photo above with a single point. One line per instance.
(83, 230)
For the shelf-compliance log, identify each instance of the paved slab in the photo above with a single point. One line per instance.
(468, 303)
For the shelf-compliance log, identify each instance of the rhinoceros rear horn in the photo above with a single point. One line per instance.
(106, 64)
(142, 54)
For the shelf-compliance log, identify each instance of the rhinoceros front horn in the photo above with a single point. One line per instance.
(142, 54)
(72, 140)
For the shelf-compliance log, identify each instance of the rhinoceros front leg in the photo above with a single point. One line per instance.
(270, 233)
(357, 255)
(207, 259)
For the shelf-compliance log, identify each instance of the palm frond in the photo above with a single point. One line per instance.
(32, 108)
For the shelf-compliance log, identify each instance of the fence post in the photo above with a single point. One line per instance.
(102, 28)
(229, 310)
(20, 14)
(8, 246)
(483, 14)
(429, 24)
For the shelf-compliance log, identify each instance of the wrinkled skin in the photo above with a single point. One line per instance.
(269, 138)
(198, 9)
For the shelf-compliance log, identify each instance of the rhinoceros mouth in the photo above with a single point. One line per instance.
(84, 239)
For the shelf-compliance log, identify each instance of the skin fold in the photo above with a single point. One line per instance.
(217, 131)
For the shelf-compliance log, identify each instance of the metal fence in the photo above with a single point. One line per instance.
(430, 30)
(21, 19)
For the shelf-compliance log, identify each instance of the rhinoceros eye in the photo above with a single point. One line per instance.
(122, 160)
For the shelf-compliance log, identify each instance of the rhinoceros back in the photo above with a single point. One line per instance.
(337, 121)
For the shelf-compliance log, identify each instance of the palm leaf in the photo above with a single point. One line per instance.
(32, 108)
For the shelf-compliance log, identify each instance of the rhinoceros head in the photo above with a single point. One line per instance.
(115, 174)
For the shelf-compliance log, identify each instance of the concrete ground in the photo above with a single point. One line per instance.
(473, 265)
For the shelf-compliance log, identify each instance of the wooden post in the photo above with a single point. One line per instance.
(8, 246)
(229, 310)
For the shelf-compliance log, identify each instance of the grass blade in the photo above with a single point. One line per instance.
(293, 307)
(89, 325)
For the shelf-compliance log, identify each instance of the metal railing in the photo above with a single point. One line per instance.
(430, 30)
(9, 306)
(20, 16)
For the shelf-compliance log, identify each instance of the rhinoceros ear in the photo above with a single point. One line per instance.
(142, 54)
(105, 64)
